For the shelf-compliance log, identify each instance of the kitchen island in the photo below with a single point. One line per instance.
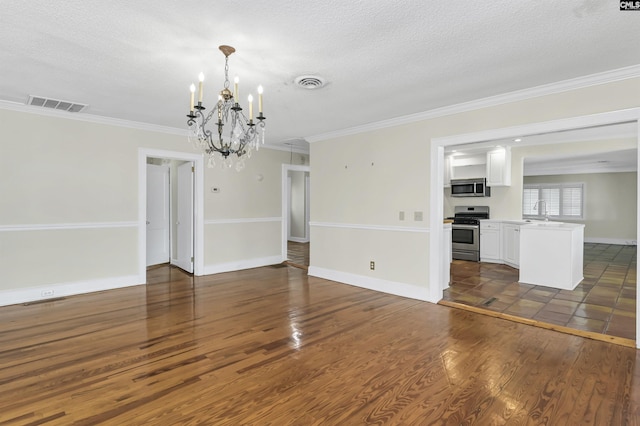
(551, 254)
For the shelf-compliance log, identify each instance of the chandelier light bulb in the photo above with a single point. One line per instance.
(236, 93)
(192, 89)
(250, 99)
(260, 90)
(200, 80)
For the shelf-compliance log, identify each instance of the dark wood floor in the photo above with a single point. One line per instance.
(298, 254)
(271, 346)
(604, 302)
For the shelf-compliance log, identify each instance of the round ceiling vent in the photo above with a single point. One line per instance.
(310, 82)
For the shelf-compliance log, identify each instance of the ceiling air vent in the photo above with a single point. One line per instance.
(310, 82)
(39, 101)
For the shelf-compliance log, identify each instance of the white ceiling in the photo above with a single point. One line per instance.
(135, 60)
(613, 161)
(574, 163)
(607, 162)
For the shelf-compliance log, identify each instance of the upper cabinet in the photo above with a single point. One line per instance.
(499, 167)
(494, 165)
(465, 166)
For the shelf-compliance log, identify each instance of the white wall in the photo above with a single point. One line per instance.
(243, 220)
(69, 212)
(383, 172)
(610, 204)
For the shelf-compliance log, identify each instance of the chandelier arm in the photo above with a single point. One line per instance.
(208, 134)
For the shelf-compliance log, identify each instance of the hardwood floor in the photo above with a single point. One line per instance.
(271, 346)
(298, 254)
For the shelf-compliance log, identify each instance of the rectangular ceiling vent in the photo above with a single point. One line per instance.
(39, 101)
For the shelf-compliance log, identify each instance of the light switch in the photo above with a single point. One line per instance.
(401, 216)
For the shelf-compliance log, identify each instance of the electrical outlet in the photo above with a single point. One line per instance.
(417, 216)
(372, 265)
(47, 293)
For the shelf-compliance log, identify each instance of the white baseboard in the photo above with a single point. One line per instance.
(53, 291)
(242, 264)
(391, 287)
(616, 241)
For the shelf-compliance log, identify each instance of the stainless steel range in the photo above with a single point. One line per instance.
(465, 235)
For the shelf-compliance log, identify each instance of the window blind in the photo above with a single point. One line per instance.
(560, 200)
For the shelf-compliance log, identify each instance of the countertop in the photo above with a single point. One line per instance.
(552, 226)
(538, 224)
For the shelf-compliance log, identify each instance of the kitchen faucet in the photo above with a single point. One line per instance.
(546, 212)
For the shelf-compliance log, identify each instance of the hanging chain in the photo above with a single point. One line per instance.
(226, 72)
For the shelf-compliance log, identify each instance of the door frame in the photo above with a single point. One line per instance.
(285, 193)
(436, 196)
(288, 210)
(198, 206)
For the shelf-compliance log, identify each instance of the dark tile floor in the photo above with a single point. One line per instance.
(604, 302)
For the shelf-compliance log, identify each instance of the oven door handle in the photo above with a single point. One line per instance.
(460, 226)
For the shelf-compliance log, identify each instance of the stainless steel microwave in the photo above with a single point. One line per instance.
(470, 188)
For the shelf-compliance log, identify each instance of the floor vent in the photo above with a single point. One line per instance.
(489, 301)
(39, 101)
(37, 302)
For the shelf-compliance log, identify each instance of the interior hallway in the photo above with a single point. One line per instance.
(604, 302)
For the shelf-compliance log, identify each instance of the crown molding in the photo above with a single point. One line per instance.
(296, 150)
(117, 122)
(519, 95)
(90, 118)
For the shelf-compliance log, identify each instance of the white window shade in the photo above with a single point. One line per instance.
(572, 201)
(551, 196)
(529, 198)
(558, 201)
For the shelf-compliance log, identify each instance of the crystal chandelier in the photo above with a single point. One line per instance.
(243, 134)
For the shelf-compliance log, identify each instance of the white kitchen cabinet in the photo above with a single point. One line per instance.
(511, 244)
(490, 241)
(467, 166)
(552, 254)
(499, 167)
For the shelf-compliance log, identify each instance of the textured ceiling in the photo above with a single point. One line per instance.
(614, 161)
(135, 60)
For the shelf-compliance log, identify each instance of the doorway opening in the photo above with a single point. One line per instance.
(438, 169)
(296, 241)
(170, 211)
